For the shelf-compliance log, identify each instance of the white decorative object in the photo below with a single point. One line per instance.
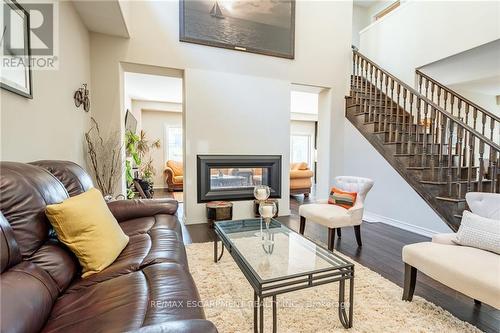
(261, 192)
(479, 232)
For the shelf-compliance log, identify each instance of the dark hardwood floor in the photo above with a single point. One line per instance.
(381, 252)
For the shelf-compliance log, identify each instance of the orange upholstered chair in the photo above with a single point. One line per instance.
(174, 175)
(300, 179)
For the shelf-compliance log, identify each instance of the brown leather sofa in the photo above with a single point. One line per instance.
(174, 176)
(148, 288)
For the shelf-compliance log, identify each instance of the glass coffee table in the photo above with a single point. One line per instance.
(280, 260)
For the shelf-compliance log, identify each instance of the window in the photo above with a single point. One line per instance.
(174, 143)
(301, 148)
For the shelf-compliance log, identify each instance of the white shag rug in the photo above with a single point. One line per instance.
(227, 298)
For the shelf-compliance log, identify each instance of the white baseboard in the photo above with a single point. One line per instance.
(372, 217)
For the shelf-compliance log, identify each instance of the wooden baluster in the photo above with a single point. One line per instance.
(375, 89)
(418, 127)
(426, 88)
(353, 79)
(442, 142)
(492, 128)
(425, 138)
(451, 125)
(381, 108)
(466, 134)
(365, 93)
(410, 126)
(363, 85)
(458, 148)
(459, 108)
(471, 162)
(397, 133)
(483, 123)
(445, 100)
(420, 78)
(432, 124)
(452, 101)
(386, 104)
(370, 95)
(481, 166)
(474, 118)
(391, 123)
(438, 96)
(404, 130)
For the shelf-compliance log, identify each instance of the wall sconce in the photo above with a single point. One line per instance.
(81, 96)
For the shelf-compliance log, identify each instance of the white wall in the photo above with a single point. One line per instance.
(421, 32)
(154, 123)
(392, 200)
(49, 126)
(246, 124)
(155, 41)
(360, 19)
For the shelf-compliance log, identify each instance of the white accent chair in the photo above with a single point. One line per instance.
(335, 217)
(473, 272)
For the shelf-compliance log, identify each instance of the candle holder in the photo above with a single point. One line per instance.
(261, 192)
(267, 210)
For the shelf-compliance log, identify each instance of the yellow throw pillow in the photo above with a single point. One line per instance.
(85, 224)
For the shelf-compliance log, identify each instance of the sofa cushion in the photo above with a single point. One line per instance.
(178, 179)
(479, 232)
(146, 224)
(177, 167)
(93, 234)
(299, 166)
(331, 216)
(468, 270)
(158, 293)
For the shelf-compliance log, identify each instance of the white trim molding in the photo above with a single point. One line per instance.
(372, 218)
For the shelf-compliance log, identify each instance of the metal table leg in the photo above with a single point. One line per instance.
(261, 315)
(345, 318)
(216, 252)
(275, 319)
(255, 329)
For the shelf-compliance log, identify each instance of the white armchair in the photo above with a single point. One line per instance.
(471, 271)
(335, 217)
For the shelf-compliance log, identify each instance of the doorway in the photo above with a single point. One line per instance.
(154, 126)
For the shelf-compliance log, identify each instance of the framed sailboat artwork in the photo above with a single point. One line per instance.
(258, 26)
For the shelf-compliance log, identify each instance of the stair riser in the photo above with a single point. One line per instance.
(428, 161)
(458, 190)
(441, 174)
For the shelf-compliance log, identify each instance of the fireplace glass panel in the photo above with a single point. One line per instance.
(238, 178)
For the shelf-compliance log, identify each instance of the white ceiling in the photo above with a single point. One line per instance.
(477, 69)
(156, 88)
(104, 17)
(366, 3)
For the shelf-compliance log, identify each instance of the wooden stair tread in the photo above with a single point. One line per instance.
(456, 200)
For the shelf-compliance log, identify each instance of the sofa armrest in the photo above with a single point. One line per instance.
(299, 174)
(447, 239)
(180, 326)
(169, 175)
(124, 210)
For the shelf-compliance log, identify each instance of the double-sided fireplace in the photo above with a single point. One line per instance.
(233, 177)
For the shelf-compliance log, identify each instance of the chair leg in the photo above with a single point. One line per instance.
(339, 233)
(476, 302)
(357, 232)
(409, 284)
(331, 238)
(302, 225)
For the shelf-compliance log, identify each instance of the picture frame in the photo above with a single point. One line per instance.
(212, 23)
(16, 78)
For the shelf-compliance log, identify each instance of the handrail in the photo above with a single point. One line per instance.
(412, 90)
(468, 101)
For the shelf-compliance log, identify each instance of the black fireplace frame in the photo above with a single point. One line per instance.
(205, 162)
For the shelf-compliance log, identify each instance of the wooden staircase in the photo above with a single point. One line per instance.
(442, 144)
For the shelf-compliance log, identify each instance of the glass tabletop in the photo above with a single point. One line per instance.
(287, 253)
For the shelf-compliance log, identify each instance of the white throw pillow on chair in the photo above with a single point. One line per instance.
(479, 232)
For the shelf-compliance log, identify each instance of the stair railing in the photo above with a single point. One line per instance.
(482, 120)
(436, 138)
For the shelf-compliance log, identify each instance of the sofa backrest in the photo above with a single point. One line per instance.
(484, 204)
(38, 267)
(177, 167)
(74, 178)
